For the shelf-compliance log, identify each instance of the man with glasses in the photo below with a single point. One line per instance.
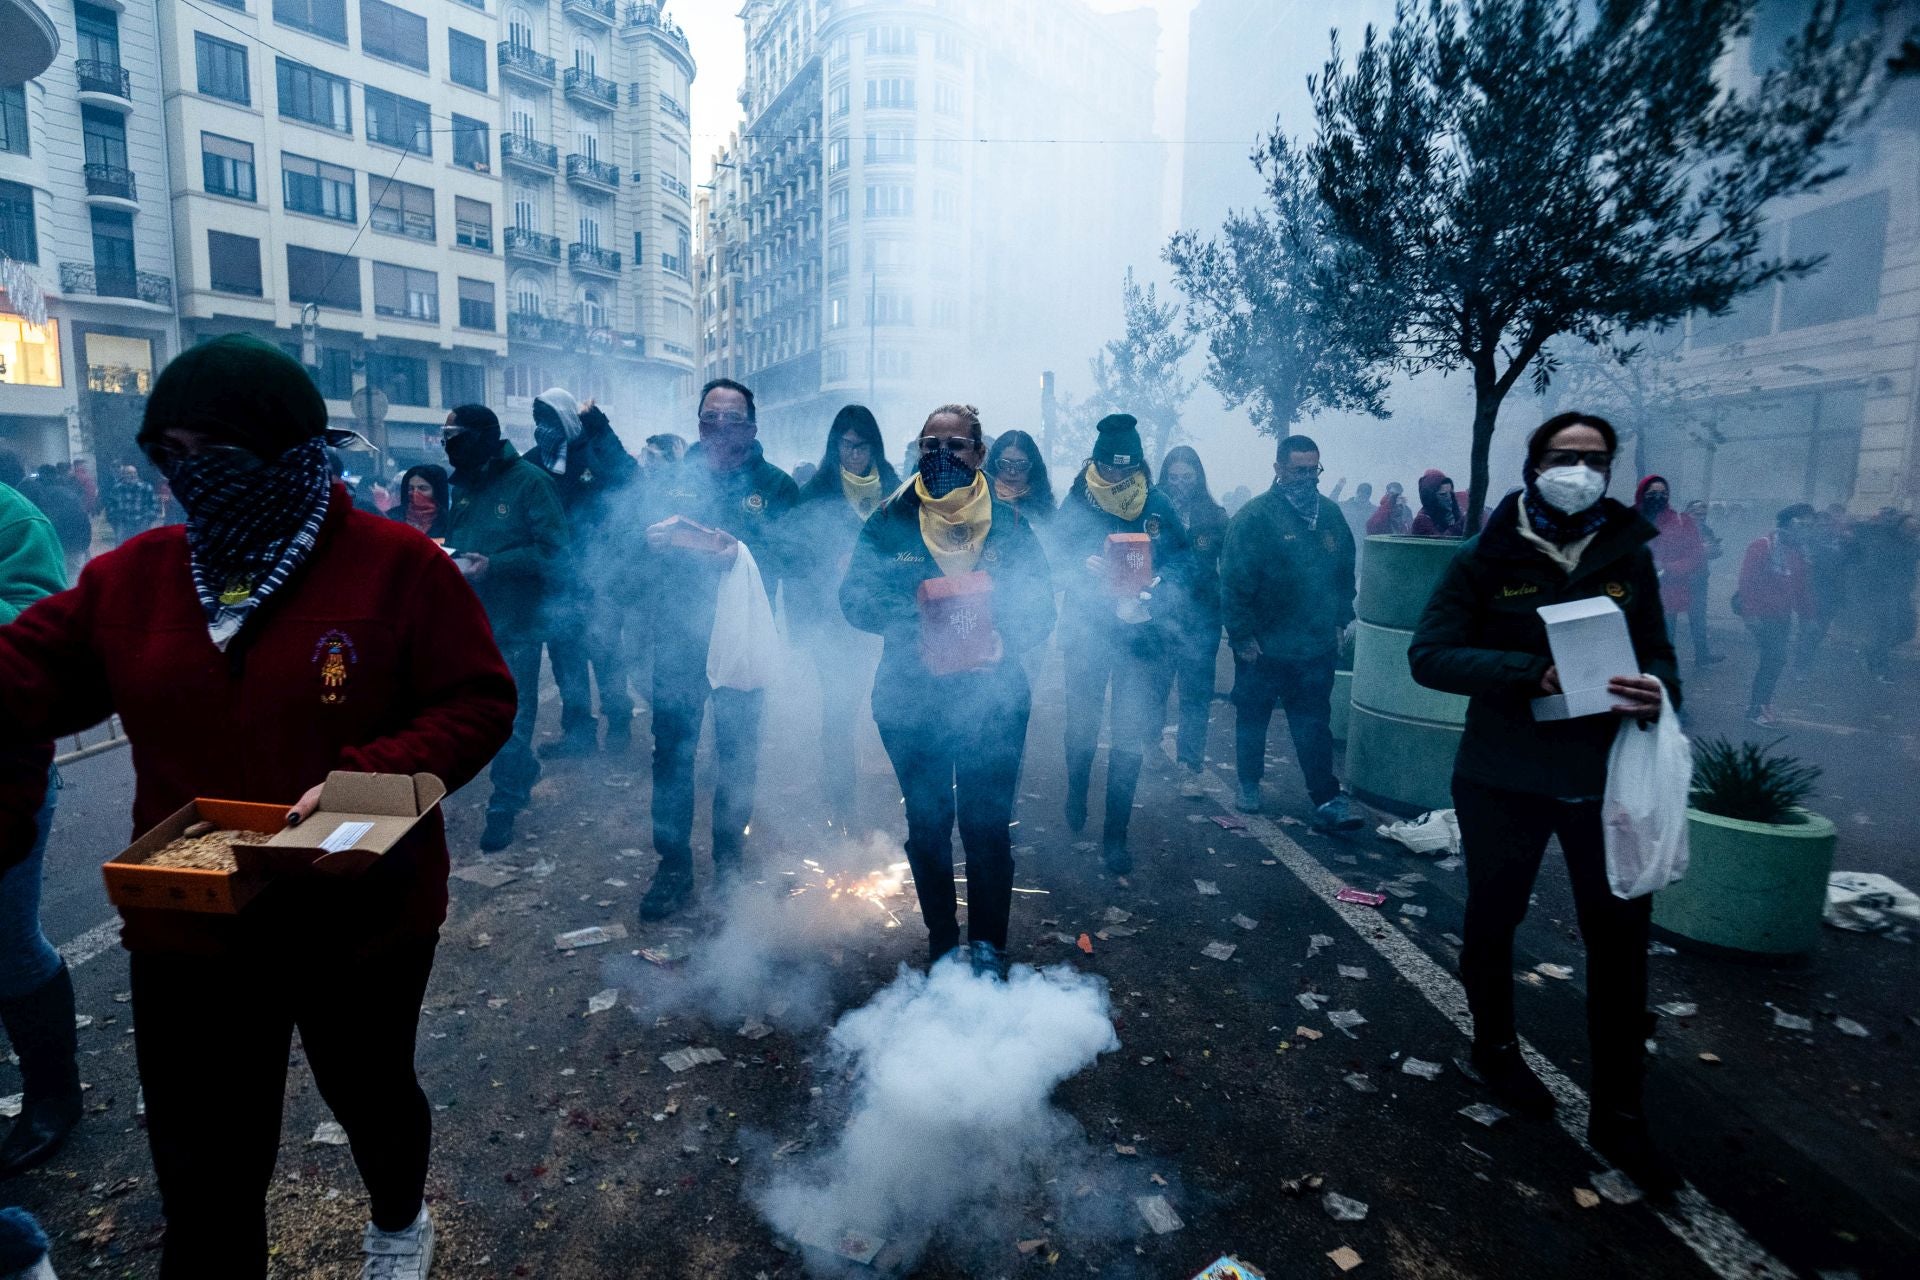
(1286, 586)
(508, 534)
(697, 515)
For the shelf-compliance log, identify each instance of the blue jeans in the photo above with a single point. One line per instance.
(515, 769)
(27, 960)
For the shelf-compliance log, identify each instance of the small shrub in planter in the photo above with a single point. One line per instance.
(1747, 781)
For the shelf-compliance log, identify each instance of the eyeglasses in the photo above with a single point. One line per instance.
(1303, 473)
(719, 421)
(952, 444)
(1013, 465)
(1592, 459)
(165, 453)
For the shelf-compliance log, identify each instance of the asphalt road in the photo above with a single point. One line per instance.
(565, 1148)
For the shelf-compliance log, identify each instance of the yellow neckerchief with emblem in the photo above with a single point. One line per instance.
(1008, 489)
(862, 492)
(1125, 500)
(955, 527)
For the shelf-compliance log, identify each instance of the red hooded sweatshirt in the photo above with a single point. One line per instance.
(1679, 553)
(1424, 524)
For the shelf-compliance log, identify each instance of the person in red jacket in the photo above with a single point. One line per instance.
(215, 644)
(1392, 515)
(1680, 556)
(1774, 587)
(1440, 515)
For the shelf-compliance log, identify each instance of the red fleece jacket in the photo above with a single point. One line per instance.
(424, 690)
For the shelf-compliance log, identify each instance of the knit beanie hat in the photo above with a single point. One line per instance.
(239, 390)
(1118, 442)
(477, 418)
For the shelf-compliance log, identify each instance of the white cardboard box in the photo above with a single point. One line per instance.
(1590, 647)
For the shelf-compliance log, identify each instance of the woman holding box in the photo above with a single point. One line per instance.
(277, 636)
(956, 584)
(1518, 781)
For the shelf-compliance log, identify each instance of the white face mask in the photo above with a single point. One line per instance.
(1570, 490)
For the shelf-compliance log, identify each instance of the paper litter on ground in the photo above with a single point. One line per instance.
(602, 1001)
(1790, 1021)
(1354, 971)
(486, 877)
(1246, 922)
(1866, 902)
(1422, 1068)
(1343, 1208)
(11, 1104)
(1412, 909)
(1483, 1113)
(1677, 1009)
(1616, 1186)
(1559, 971)
(1358, 1082)
(1219, 950)
(1206, 888)
(1345, 1258)
(592, 936)
(687, 1059)
(1317, 943)
(1158, 1213)
(328, 1134)
(1346, 1020)
(1848, 1027)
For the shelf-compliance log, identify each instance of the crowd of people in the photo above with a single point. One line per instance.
(925, 595)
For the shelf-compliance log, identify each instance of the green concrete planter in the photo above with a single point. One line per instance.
(1753, 890)
(1401, 738)
(1342, 703)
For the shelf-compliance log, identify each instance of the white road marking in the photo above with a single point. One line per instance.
(1719, 1242)
(102, 937)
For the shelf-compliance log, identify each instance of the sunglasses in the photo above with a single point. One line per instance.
(1013, 465)
(1592, 459)
(952, 444)
(722, 421)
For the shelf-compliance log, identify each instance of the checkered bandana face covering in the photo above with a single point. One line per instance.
(249, 526)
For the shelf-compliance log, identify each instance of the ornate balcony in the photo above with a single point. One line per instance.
(518, 60)
(145, 286)
(645, 14)
(531, 245)
(591, 257)
(584, 87)
(104, 84)
(590, 172)
(529, 153)
(546, 330)
(593, 11)
(112, 185)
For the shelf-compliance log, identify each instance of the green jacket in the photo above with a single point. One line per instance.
(32, 564)
(1284, 583)
(1481, 635)
(510, 513)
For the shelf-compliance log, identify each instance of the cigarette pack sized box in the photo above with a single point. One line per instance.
(1590, 647)
(131, 882)
(1129, 559)
(956, 623)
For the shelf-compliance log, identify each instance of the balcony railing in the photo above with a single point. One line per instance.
(533, 326)
(111, 180)
(103, 77)
(587, 169)
(591, 257)
(645, 13)
(593, 10)
(518, 148)
(147, 286)
(521, 60)
(532, 244)
(594, 90)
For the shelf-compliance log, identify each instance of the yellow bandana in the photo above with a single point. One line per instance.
(1009, 490)
(1125, 500)
(955, 527)
(862, 492)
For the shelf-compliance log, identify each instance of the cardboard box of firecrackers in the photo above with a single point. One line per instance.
(214, 856)
(1129, 558)
(956, 623)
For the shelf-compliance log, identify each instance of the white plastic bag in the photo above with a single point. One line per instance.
(1436, 833)
(743, 649)
(1644, 810)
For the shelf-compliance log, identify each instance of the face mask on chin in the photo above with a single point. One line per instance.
(942, 472)
(1570, 490)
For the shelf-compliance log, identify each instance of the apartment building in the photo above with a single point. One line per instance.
(597, 151)
(717, 270)
(86, 258)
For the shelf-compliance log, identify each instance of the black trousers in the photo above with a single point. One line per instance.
(679, 706)
(973, 760)
(516, 769)
(213, 1035)
(591, 640)
(1304, 690)
(1196, 656)
(1773, 637)
(1505, 834)
(1092, 659)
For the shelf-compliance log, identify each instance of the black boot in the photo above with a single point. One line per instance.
(1622, 1140)
(1121, 781)
(40, 1025)
(1506, 1073)
(499, 831)
(671, 890)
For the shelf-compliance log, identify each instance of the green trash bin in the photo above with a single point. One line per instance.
(1401, 737)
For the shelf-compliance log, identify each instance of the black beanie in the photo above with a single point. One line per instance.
(1118, 442)
(239, 390)
(478, 419)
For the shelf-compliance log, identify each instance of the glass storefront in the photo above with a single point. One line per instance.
(29, 354)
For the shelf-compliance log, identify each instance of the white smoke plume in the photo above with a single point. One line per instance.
(951, 1126)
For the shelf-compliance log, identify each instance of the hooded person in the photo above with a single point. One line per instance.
(1183, 478)
(1117, 624)
(1519, 781)
(724, 495)
(424, 497)
(1439, 515)
(1680, 556)
(1775, 587)
(1391, 516)
(592, 472)
(954, 725)
(853, 479)
(278, 636)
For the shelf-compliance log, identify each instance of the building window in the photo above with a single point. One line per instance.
(946, 312)
(476, 304)
(114, 267)
(403, 378)
(313, 97)
(890, 40)
(399, 122)
(322, 17)
(401, 208)
(472, 144)
(894, 362)
(946, 98)
(29, 354)
(473, 224)
(639, 248)
(836, 313)
(330, 279)
(891, 91)
(946, 48)
(98, 32)
(519, 28)
(222, 68)
(593, 309)
(529, 297)
(676, 260)
(889, 145)
(890, 200)
(1852, 237)
(838, 101)
(946, 205)
(886, 308)
(837, 363)
(837, 155)
(19, 236)
(226, 166)
(462, 384)
(315, 187)
(836, 261)
(946, 153)
(233, 264)
(103, 137)
(837, 205)
(393, 34)
(334, 375)
(467, 60)
(13, 121)
(405, 292)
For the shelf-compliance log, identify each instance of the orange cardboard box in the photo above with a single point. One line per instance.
(131, 883)
(956, 623)
(1129, 563)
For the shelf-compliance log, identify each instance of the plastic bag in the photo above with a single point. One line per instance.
(1436, 833)
(1644, 809)
(743, 648)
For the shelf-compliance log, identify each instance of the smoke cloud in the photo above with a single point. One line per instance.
(949, 1124)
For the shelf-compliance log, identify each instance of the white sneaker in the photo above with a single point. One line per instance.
(398, 1255)
(1190, 788)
